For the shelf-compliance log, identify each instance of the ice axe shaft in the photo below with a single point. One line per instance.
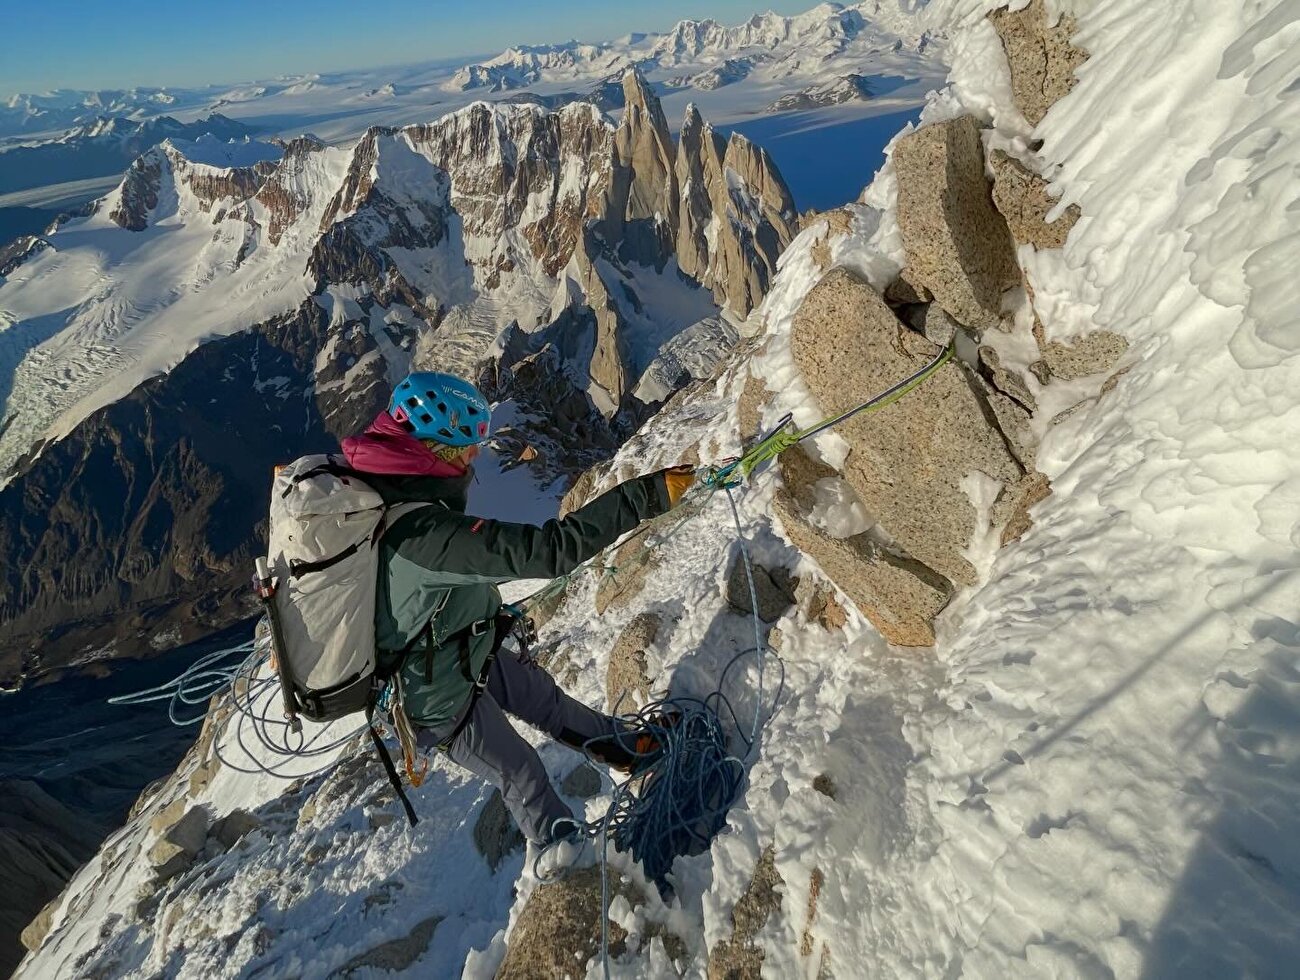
(265, 587)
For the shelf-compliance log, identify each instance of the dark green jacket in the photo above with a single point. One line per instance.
(438, 551)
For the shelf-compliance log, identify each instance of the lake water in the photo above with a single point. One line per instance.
(825, 158)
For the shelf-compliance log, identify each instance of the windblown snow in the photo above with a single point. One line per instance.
(1095, 772)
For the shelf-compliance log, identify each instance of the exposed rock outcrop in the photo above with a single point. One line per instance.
(396, 954)
(775, 588)
(1021, 195)
(957, 243)
(1092, 353)
(641, 215)
(720, 240)
(495, 832)
(138, 194)
(627, 680)
(740, 957)
(558, 931)
(19, 251)
(181, 837)
(898, 595)
(582, 782)
(1042, 58)
(632, 565)
(909, 460)
(284, 195)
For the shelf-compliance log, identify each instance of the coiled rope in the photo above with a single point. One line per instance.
(252, 697)
(679, 802)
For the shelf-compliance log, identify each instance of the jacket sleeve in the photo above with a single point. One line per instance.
(458, 549)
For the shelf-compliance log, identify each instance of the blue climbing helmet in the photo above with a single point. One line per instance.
(441, 407)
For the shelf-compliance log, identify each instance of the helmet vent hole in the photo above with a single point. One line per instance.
(442, 407)
(426, 418)
(413, 402)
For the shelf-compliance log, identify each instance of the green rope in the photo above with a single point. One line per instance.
(782, 438)
(715, 478)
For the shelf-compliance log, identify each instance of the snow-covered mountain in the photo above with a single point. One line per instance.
(71, 107)
(562, 251)
(1039, 712)
(846, 88)
(771, 46)
(104, 146)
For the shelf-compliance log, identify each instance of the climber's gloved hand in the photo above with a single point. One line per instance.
(678, 480)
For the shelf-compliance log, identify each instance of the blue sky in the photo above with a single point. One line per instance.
(48, 44)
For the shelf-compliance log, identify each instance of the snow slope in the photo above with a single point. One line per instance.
(85, 322)
(1096, 773)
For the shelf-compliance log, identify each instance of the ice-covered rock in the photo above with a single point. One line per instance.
(1093, 353)
(627, 679)
(1042, 57)
(957, 243)
(182, 830)
(740, 957)
(775, 588)
(1022, 198)
(898, 595)
(848, 344)
(557, 931)
(495, 833)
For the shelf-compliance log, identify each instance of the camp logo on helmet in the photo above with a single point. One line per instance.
(441, 407)
(469, 396)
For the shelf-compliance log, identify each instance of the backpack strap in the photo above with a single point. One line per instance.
(382, 751)
(503, 622)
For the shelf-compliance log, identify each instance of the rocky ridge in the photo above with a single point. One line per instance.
(522, 247)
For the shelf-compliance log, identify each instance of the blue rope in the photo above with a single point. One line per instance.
(219, 672)
(692, 780)
(193, 686)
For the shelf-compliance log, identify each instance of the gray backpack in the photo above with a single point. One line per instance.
(323, 561)
(318, 585)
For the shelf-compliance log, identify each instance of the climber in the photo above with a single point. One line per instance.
(438, 620)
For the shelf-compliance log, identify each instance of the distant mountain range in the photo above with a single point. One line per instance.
(769, 46)
(702, 60)
(582, 270)
(102, 147)
(62, 108)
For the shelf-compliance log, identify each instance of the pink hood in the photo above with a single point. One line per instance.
(386, 448)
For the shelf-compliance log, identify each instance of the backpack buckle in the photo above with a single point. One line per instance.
(481, 626)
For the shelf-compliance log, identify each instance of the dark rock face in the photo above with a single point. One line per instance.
(139, 193)
(149, 515)
(282, 194)
(42, 844)
(19, 251)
